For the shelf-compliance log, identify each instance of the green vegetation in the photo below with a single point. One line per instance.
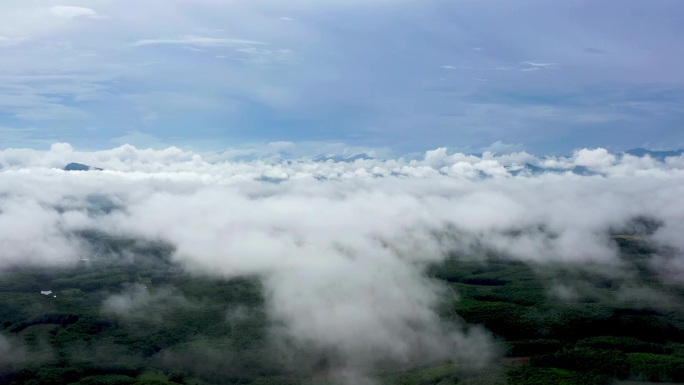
(142, 320)
(570, 325)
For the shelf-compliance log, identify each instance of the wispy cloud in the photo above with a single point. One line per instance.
(71, 12)
(202, 41)
(537, 64)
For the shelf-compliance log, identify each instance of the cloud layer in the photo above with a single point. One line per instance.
(340, 247)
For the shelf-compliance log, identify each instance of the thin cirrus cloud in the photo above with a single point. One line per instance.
(202, 41)
(537, 64)
(71, 12)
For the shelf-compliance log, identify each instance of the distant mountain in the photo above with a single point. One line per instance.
(80, 167)
(338, 158)
(660, 155)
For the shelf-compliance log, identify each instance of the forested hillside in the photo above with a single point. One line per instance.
(132, 316)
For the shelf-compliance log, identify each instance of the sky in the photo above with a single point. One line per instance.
(399, 76)
(205, 114)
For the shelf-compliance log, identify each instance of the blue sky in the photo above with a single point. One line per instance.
(405, 75)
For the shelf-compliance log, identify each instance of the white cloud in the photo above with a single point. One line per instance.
(141, 303)
(538, 64)
(340, 247)
(532, 66)
(71, 12)
(202, 41)
(597, 159)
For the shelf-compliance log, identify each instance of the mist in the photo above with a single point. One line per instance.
(341, 249)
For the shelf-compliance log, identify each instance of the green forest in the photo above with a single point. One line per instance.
(136, 317)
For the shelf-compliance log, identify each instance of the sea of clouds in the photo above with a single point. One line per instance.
(341, 247)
